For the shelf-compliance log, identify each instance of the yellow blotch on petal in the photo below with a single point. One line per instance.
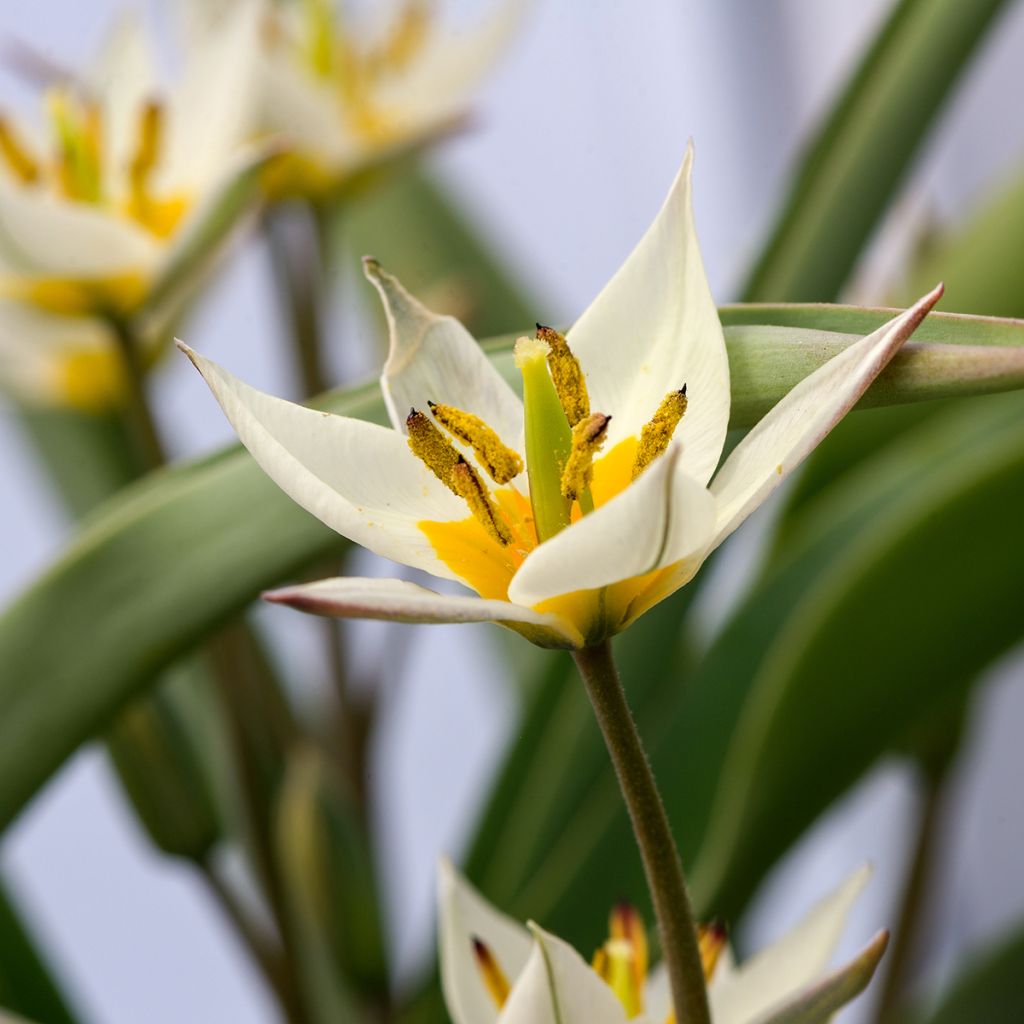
(119, 294)
(91, 380)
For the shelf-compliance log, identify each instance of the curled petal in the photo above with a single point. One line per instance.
(435, 359)
(663, 517)
(354, 597)
(794, 427)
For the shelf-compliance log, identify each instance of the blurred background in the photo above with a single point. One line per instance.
(574, 140)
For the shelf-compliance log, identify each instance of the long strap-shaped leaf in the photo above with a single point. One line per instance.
(169, 561)
(857, 159)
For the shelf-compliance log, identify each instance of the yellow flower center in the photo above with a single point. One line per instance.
(568, 479)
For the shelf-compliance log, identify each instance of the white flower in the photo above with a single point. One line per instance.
(113, 207)
(640, 516)
(495, 971)
(350, 96)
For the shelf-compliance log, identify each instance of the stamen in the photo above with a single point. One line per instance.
(407, 35)
(431, 447)
(440, 456)
(711, 939)
(319, 18)
(78, 148)
(567, 375)
(467, 485)
(16, 155)
(587, 437)
(627, 925)
(147, 153)
(493, 976)
(548, 438)
(501, 462)
(656, 435)
(621, 976)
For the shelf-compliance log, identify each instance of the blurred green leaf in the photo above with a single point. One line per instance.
(25, 982)
(328, 869)
(213, 533)
(988, 989)
(922, 595)
(858, 157)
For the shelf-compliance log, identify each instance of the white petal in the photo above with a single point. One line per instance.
(661, 518)
(454, 60)
(794, 427)
(401, 601)
(818, 1004)
(655, 327)
(788, 966)
(558, 987)
(464, 915)
(358, 478)
(434, 358)
(45, 236)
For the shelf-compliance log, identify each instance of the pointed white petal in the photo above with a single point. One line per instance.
(817, 1004)
(453, 62)
(794, 427)
(655, 327)
(464, 915)
(661, 518)
(790, 965)
(45, 236)
(358, 478)
(558, 987)
(658, 995)
(354, 597)
(434, 358)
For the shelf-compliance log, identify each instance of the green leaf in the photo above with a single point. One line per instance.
(871, 638)
(988, 989)
(214, 534)
(858, 157)
(25, 982)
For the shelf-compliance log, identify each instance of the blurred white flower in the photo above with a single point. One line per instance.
(348, 96)
(112, 208)
(495, 971)
(584, 542)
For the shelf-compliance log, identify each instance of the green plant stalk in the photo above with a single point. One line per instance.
(662, 865)
(226, 652)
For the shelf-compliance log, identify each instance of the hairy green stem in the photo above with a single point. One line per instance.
(662, 866)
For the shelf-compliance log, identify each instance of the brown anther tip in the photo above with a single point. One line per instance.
(717, 929)
(431, 405)
(414, 414)
(480, 949)
(682, 391)
(540, 327)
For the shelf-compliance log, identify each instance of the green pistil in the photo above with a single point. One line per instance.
(548, 439)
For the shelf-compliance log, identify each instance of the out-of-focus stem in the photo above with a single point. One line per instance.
(662, 865)
(139, 410)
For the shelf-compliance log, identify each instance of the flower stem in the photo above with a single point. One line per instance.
(144, 428)
(662, 866)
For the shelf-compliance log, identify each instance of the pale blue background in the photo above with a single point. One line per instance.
(580, 132)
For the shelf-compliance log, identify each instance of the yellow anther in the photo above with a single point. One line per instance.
(493, 976)
(619, 973)
(147, 150)
(466, 483)
(407, 35)
(711, 940)
(567, 375)
(431, 447)
(657, 434)
(16, 155)
(320, 41)
(587, 437)
(500, 461)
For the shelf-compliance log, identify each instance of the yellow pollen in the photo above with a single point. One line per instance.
(567, 375)
(431, 447)
(500, 461)
(493, 976)
(657, 434)
(466, 483)
(16, 155)
(587, 437)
